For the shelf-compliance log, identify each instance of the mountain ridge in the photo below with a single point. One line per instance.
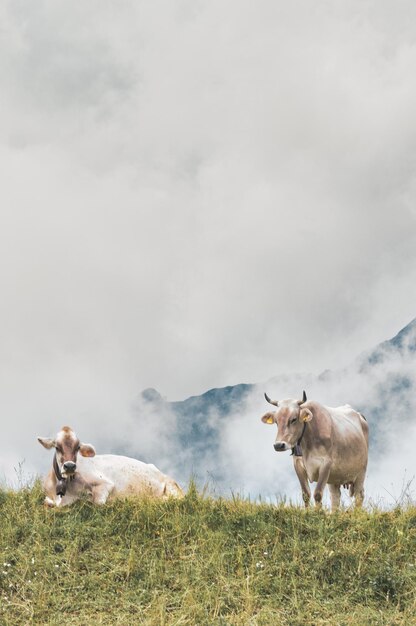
(216, 395)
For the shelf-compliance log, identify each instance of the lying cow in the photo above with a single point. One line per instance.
(329, 446)
(77, 469)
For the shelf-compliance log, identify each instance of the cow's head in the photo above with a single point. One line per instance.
(67, 445)
(290, 418)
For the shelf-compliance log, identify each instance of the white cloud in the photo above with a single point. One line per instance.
(197, 194)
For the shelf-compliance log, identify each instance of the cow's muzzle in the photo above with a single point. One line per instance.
(69, 467)
(280, 446)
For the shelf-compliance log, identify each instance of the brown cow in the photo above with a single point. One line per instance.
(329, 446)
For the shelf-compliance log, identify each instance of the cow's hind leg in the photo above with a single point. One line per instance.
(303, 478)
(335, 492)
(101, 491)
(357, 489)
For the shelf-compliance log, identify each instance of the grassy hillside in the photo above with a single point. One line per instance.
(203, 561)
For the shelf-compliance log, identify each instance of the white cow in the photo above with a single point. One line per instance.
(77, 469)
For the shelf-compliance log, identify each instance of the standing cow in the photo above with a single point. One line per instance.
(76, 469)
(329, 446)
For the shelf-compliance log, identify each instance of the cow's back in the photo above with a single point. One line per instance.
(129, 476)
(349, 422)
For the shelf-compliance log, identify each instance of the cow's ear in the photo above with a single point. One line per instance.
(305, 415)
(268, 418)
(86, 449)
(47, 442)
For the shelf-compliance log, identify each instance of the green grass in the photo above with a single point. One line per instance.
(202, 561)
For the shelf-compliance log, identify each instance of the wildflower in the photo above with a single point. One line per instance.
(4, 572)
(33, 560)
(56, 566)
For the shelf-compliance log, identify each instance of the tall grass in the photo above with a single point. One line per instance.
(202, 561)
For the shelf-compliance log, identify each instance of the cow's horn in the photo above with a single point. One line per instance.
(304, 399)
(274, 402)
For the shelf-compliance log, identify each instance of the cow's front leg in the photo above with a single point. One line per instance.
(60, 501)
(322, 480)
(101, 491)
(300, 470)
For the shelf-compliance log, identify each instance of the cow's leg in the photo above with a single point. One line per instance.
(335, 492)
(322, 480)
(303, 478)
(101, 491)
(60, 501)
(358, 490)
(49, 486)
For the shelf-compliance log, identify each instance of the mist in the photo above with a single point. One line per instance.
(380, 384)
(196, 195)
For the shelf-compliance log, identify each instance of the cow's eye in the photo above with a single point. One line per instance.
(292, 421)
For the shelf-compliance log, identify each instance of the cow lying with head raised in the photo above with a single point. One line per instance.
(78, 470)
(329, 446)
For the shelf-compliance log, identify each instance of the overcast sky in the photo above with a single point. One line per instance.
(196, 194)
